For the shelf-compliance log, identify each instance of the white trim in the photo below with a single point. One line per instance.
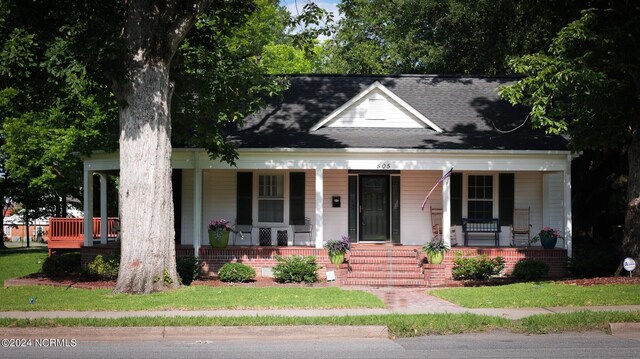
(197, 206)
(319, 225)
(376, 85)
(87, 191)
(103, 209)
(568, 242)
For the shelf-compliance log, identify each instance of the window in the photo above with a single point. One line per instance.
(271, 198)
(376, 109)
(480, 197)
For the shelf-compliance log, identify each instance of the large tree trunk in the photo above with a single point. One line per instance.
(631, 242)
(153, 30)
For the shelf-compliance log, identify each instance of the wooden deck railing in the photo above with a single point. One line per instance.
(69, 232)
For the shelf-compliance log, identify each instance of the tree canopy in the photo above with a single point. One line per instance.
(587, 85)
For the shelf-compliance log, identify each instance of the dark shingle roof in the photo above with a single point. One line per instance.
(467, 109)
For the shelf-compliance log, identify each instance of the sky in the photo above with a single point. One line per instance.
(295, 6)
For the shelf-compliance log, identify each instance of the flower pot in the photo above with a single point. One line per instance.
(435, 257)
(336, 259)
(219, 238)
(548, 242)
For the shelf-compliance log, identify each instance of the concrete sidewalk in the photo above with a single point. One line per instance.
(397, 301)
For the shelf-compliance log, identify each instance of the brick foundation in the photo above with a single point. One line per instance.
(374, 261)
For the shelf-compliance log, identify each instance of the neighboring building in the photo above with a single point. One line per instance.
(357, 154)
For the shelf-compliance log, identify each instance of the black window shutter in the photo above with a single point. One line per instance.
(296, 198)
(244, 200)
(456, 198)
(507, 197)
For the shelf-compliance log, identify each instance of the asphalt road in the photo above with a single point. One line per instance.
(485, 345)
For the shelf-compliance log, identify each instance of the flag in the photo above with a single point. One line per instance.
(424, 203)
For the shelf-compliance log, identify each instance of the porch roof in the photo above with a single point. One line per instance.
(468, 110)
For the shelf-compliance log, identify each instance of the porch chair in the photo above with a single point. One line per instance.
(436, 226)
(307, 228)
(521, 226)
(242, 228)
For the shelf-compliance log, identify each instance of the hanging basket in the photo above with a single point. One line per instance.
(219, 238)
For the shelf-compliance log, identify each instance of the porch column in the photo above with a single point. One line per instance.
(103, 209)
(87, 184)
(568, 244)
(197, 205)
(319, 209)
(446, 209)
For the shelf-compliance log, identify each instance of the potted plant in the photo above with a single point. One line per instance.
(219, 233)
(548, 237)
(435, 250)
(337, 249)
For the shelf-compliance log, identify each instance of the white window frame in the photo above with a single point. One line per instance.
(284, 198)
(465, 192)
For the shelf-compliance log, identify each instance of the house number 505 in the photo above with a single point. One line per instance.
(384, 165)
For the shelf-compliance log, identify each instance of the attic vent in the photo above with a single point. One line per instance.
(376, 109)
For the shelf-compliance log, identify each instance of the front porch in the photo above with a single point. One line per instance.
(368, 265)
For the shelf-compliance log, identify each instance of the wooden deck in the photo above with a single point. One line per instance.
(68, 233)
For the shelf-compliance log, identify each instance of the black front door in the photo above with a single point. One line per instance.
(374, 208)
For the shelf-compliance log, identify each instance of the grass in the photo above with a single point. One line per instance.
(20, 262)
(187, 298)
(543, 294)
(399, 325)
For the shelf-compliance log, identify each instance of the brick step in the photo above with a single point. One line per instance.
(383, 253)
(383, 260)
(385, 267)
(386, 275)
(385, 282)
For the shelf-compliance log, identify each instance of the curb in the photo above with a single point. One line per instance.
(625, 330)
(109, 334)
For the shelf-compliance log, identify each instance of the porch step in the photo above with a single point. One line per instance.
(384, 282)
(383, 260)
(384, 266)
(386, 275)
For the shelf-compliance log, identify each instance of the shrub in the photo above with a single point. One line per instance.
(189, 269)
(481, 267)
(592, 261)
(61, 264)
(296, 269)
(530, 269)
(106, 267)
(236, 272)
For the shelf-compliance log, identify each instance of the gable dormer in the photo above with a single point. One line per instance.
(378, 107)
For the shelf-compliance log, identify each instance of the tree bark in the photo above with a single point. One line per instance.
(631, 241)
(153, 31)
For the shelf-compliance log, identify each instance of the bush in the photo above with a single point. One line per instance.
(481, 267)
(189, 269)
(530, 269)
(296, 269)
(106, 267)
(236, 272)
(62, 264)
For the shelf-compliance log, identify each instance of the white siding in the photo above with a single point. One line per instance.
(528, 193)
(359, 114)
(416, 223)
(336, 220)
(186, 229)
(218, 199)
(553, 192)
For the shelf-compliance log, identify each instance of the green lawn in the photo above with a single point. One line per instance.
(187, 298)
(399, 325)
(19, 262)
(544, 294)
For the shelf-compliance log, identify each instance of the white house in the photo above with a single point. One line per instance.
(356, 155)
